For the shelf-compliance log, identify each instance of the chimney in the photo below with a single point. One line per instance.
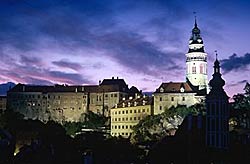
(99, 82)
(113, 78)
(135, 103)
(117, 77)
(23, 88)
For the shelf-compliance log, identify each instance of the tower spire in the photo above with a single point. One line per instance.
(195, 21)
(216, 55)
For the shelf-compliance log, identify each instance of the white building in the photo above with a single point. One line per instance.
(196, 60)
(195, 88)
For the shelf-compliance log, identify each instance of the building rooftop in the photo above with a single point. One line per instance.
(175, 87)
(138, 101)
(56, 88)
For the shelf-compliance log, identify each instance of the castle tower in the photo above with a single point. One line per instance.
(217, 111)
(196, 62)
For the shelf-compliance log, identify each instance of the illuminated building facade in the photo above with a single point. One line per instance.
(196, 60)
(128, 113)
(67, 103)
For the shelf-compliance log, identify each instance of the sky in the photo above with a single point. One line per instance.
(75, 42)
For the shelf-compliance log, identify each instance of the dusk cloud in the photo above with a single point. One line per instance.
(82, 42)
(67, 64)
(235, 63)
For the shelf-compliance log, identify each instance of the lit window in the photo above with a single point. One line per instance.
(201, 69)
(194, 70)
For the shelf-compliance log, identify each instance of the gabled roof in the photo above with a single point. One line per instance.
(113, 85)
(114, 81)
(138, 101)
(175, 87)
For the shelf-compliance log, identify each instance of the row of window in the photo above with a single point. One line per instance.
(127, 119)
(118, 134)
(130, 111)
(121, 127)
(200, 58)
(43, 96)
(99, 97)
(172, 99)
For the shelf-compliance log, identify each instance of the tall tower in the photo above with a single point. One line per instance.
(196, 62)
(217, 111)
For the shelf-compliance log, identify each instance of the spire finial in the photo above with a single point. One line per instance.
(195, 22)
(216, 55)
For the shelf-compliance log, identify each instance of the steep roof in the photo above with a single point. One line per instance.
(113, 85)
(138, 100)
(175, 87)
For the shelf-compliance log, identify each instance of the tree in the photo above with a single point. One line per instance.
(241, 108)
(155, 127)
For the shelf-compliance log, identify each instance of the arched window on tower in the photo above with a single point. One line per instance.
(201, 69)
(194, 70)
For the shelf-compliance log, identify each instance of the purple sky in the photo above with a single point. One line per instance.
(144, 42)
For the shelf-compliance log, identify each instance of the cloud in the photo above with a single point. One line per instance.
(238, 83)
(235, 63)
(67, 64)
(36, 81)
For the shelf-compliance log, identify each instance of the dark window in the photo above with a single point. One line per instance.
(172, 98)
(183, 98)
(160, 98)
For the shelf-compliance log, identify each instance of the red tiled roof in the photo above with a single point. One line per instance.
(174, 87)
